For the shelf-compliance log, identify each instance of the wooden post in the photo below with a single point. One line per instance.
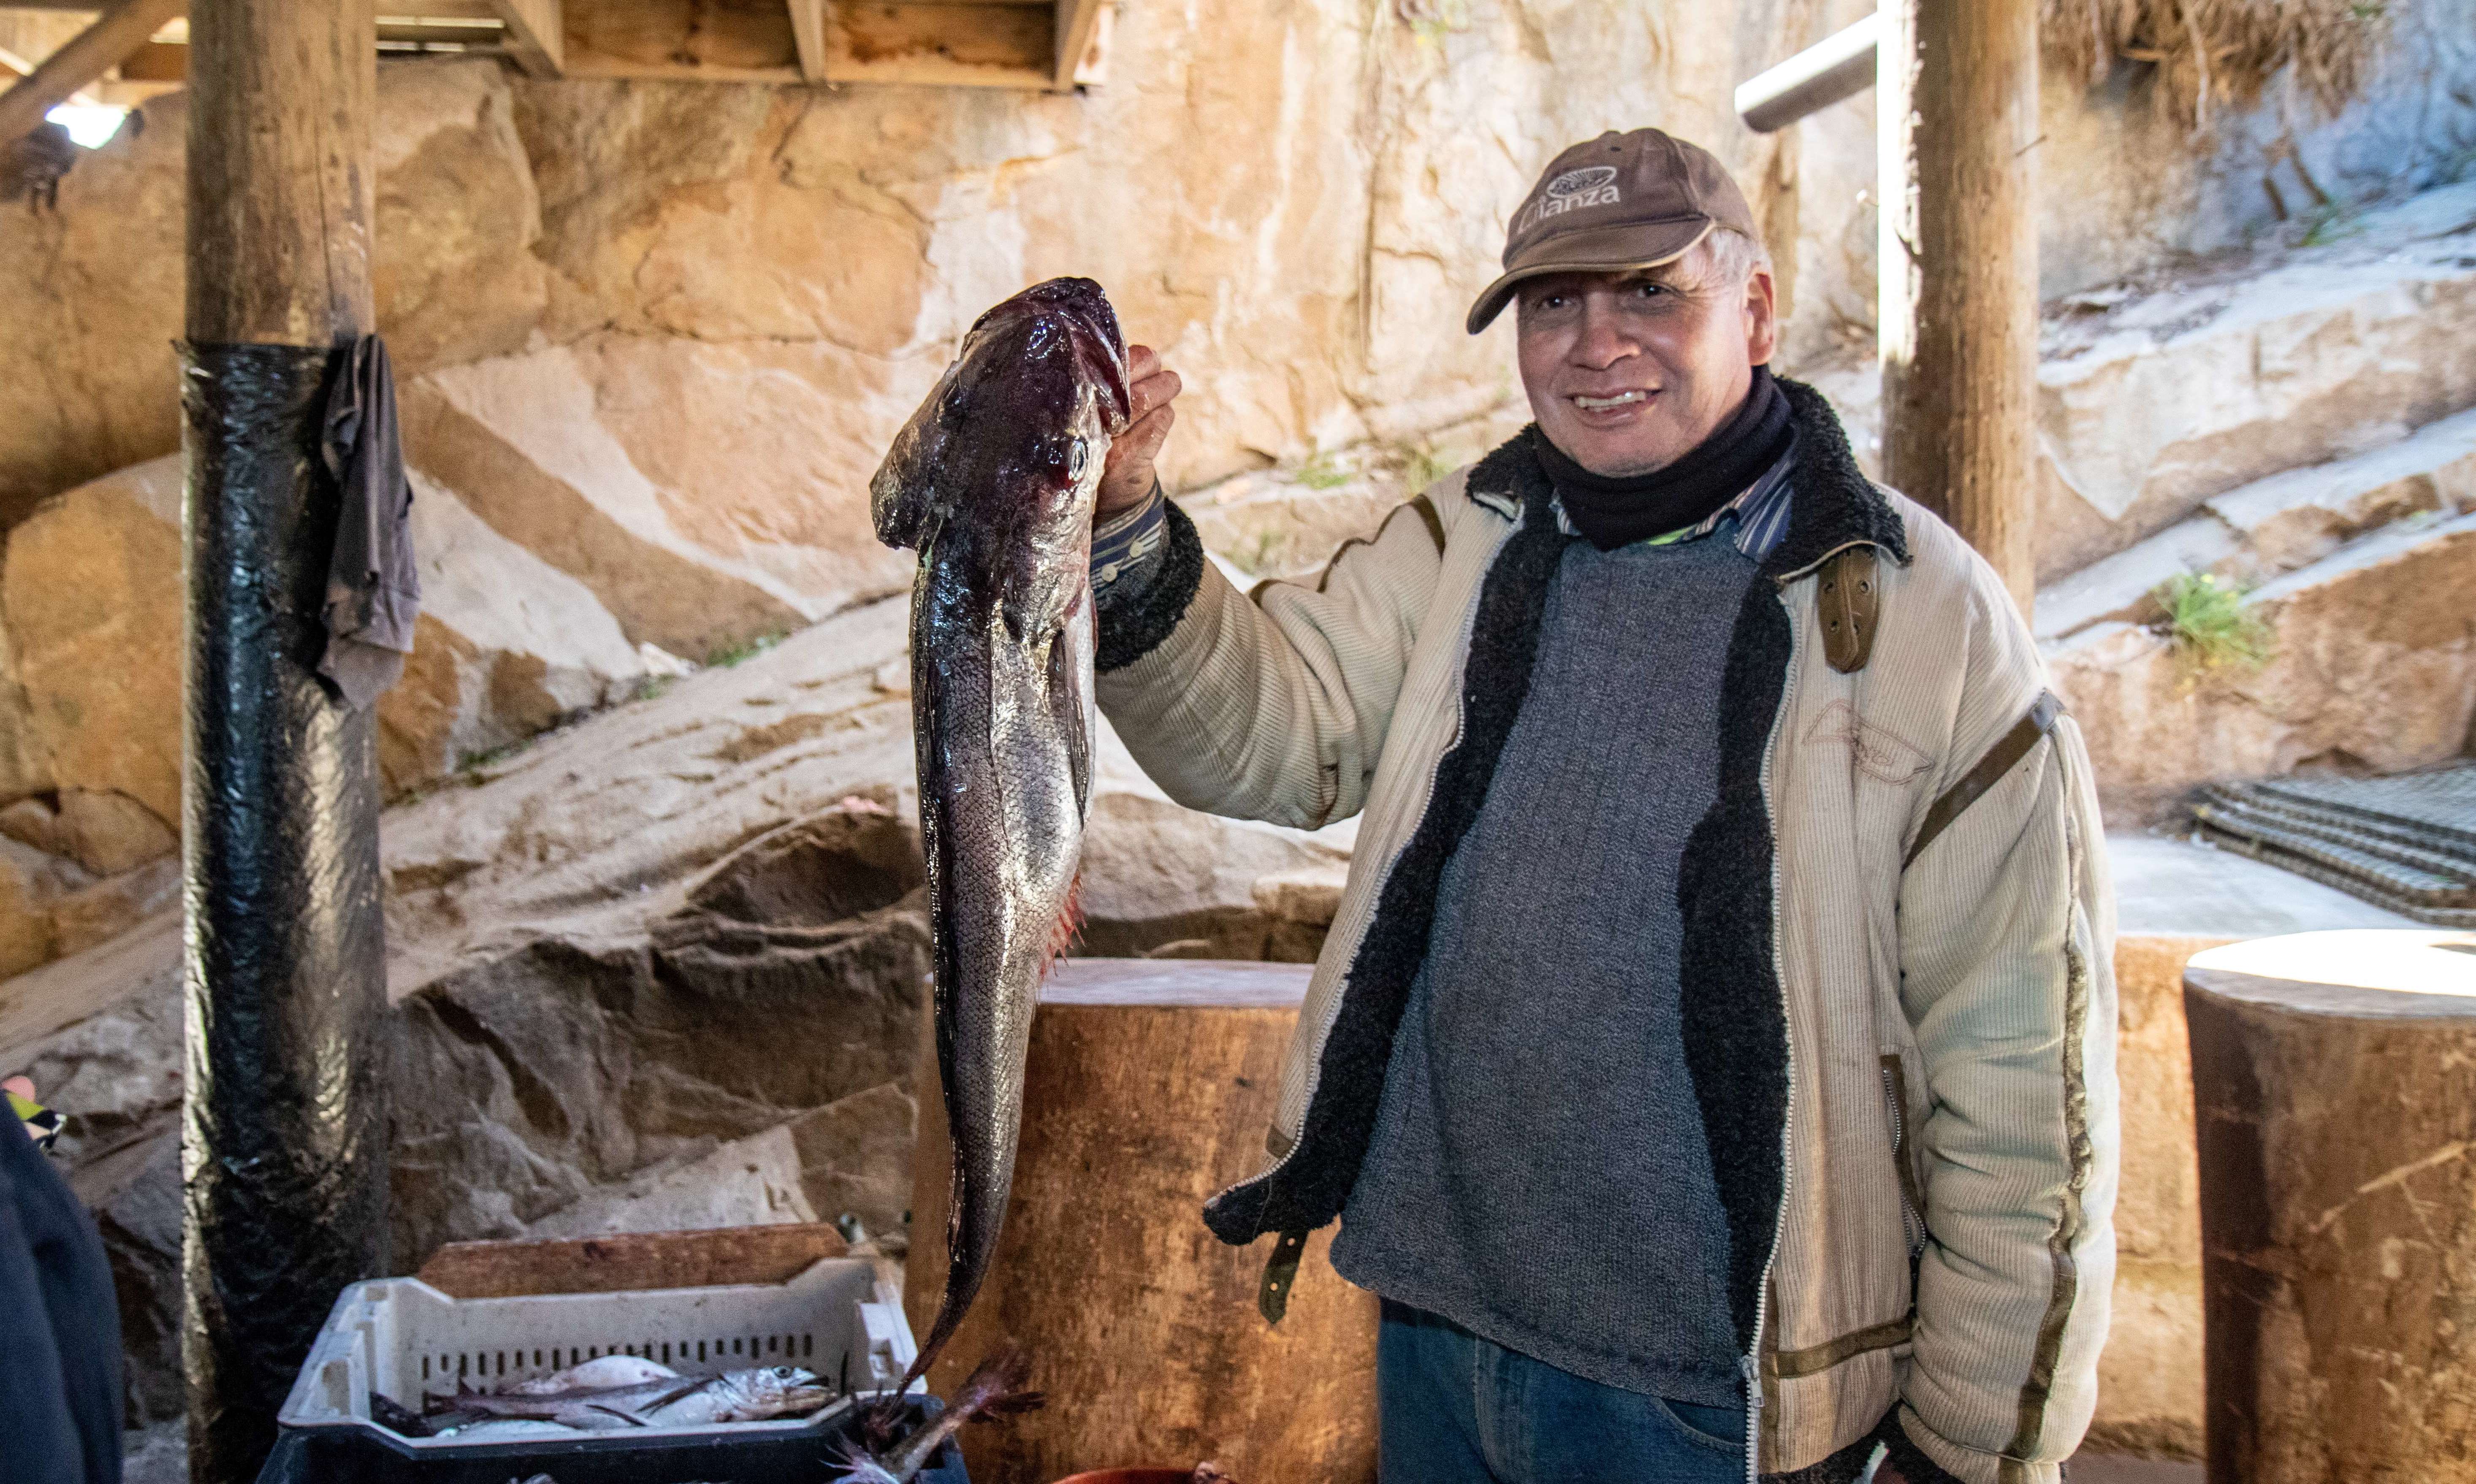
(1149, 1087)
(285, 1122)
(1958, 304)
(2332, 1076)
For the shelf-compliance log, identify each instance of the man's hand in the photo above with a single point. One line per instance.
(1127, 476)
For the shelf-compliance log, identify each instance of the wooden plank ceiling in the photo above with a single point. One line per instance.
(1033, 44)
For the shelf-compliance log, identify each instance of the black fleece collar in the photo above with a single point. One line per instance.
(1834, 505)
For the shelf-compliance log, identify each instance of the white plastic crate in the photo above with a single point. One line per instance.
(400, 1338)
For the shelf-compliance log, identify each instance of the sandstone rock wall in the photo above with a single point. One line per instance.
(1294, 200)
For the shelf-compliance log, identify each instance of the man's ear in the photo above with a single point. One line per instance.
(1761, 319)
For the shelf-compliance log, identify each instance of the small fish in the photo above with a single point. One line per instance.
(748, 1397)
(668, 1402)
(607, 1370)
(992, 481)
(994, 1389)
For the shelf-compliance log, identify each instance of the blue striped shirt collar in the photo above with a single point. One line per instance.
(1759, 512)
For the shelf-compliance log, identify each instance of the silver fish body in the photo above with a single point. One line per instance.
(670, 1401)
(992, 481)
(605, 1371)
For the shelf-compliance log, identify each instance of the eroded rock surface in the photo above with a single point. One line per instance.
(2152, 402)
(2372, 669)
(91, 600)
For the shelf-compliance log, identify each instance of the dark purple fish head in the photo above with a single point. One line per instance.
(1005, 454)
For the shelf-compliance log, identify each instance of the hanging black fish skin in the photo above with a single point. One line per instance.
(992, 481)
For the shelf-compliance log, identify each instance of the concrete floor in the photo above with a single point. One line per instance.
(2175, 889)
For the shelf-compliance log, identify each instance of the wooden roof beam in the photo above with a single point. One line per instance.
(122, 28)
(537, 35)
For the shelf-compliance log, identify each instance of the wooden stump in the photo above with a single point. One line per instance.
(1150, 1088)
(2334, 1077)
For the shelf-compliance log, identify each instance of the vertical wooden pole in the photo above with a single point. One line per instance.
(284, 1124)
(1958, 306)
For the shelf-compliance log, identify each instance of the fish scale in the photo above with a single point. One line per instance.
(992, 483)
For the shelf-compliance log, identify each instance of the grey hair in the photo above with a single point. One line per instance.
(1735, 255)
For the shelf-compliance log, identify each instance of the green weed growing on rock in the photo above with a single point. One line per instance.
(2212, 630)
(1323, 472)
(745, 650)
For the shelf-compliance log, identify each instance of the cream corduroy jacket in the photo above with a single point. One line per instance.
(1900, 998)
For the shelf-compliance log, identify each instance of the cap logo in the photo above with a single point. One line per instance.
(1571, 191)
(1573, 182)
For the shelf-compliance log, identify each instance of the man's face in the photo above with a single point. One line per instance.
(1628, 372)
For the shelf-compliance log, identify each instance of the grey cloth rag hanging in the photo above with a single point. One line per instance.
(373, 586)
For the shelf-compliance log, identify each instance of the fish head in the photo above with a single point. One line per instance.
(1004, 458)
(773, 1391)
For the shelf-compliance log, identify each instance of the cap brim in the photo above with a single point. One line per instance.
(1626, 249)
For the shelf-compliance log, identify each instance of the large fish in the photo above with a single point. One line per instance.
(992, 481)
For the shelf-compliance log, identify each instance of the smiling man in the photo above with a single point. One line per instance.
(1711, 1063)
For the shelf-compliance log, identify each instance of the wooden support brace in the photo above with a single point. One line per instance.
(1076, 21)
(809, 30)
(119, 30)
(535, 36)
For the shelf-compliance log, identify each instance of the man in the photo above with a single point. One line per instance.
(1714, 1048)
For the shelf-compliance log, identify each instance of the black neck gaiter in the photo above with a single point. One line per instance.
(1613, 511)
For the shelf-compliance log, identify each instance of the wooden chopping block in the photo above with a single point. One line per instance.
(2334, 1079)
(1150, 1085)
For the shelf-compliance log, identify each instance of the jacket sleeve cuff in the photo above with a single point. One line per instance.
(1937, 1460)
(1135, 617)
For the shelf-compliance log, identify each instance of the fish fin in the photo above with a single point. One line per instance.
(629, 1417)
(1012, 1404)
(694, 1386)
(1070, 921)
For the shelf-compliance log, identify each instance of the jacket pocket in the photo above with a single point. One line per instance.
(1913, 1206)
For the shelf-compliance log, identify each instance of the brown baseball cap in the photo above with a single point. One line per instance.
(1619, 202)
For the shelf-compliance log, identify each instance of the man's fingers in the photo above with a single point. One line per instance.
(1140, 363)
(1142, 440)
(1152, 392)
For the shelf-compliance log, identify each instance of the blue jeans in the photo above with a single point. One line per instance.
(1457, 1409)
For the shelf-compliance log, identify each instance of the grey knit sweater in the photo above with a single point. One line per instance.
(1581, 1227)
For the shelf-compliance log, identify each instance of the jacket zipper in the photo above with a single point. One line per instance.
(1752, 1362)
(1913, 1221)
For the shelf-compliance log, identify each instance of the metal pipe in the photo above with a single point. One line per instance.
(1839, 66)
(283, 1138)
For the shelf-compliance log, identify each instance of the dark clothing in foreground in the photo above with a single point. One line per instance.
(60, 1329)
